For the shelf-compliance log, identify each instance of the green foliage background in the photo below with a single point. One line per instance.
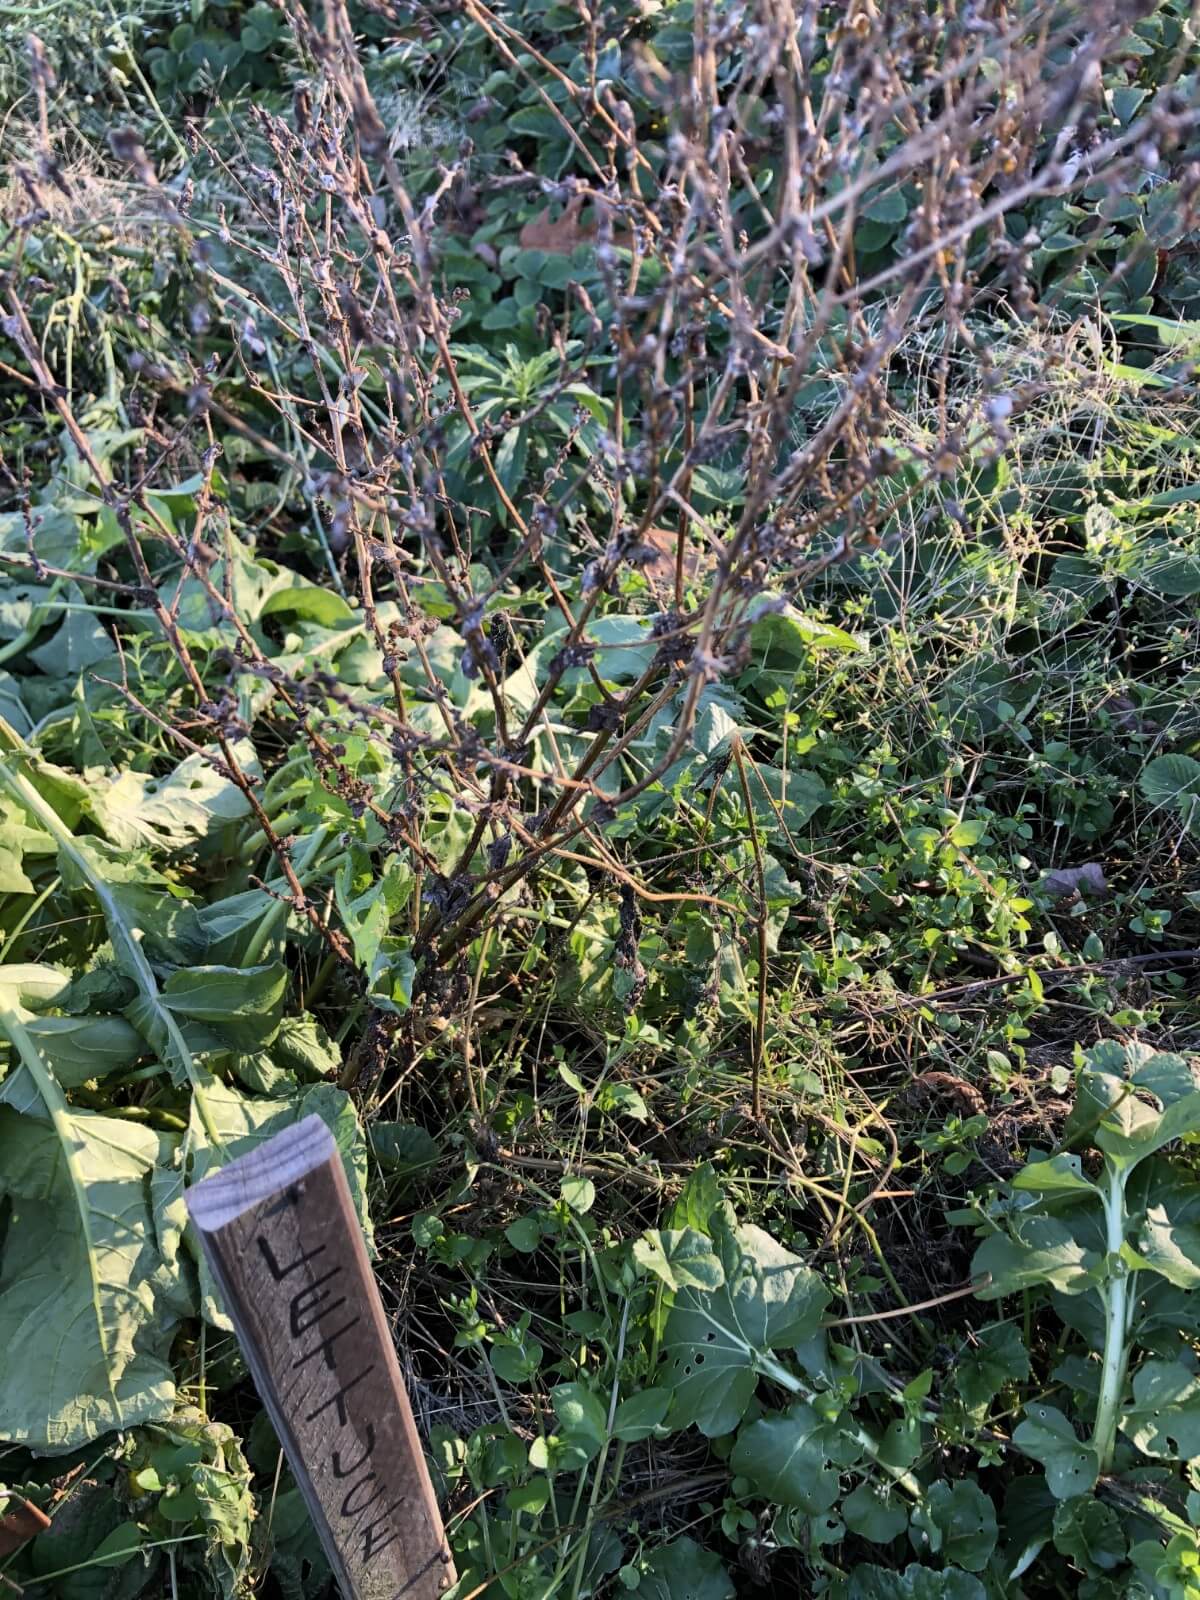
(923, 1330)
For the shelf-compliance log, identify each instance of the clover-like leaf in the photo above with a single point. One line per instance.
(718, 1341)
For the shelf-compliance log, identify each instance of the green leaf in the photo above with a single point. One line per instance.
(958, 1522)
(996, 1358)
(786, 1459)
(533, 1496)
(641, 1415)
(137, 809)
(683, 1570)
(80, 1265)
(793, 633)
(1089, 1533)
(1057, 1174)
(578, 1193)
(1041, 1250)
(1047, 1436)
(237, 1124)
(622, 1099)
(784, 801)
(1171, 1246)
(681, 1257)
(402, 1149)
(82, 861)
(1173, 574)
(79, 643)
(1180, 335)
(699, 1198)
(581, 1416)
(717, 1342)
(1169, 778)
(1164, 1419)
(242, 1005)
(78, 1049)
(874, 1511)
(524, 1234)
(368, 915)
(890, 206)
(517, 1359)
(914, 1583)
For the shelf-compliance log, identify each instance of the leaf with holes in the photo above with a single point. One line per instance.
(958, 1522)
(1048, 1437)
(786, 1459)
(718, 1342)
(1164, 1419)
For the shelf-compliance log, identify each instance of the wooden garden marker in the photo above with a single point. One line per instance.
(279, 1231)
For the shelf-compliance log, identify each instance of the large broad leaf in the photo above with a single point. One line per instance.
(996, 1356)
(1168, 1241)
(1132, 1101)
(683, 1570)
(1047, 1436)
(786, 1459)
(914, 1583)
(1089, 1533)
(82, 862)
(1164, 1419)
(791, 633)
(79, 1049)
(783, 800)
(79, 643)
(1169, 779)
(242, 1005)
(718, 1342)
(875, 1511)
(1040, 1250)
(682, 1258)
(1059, 1174)
(84, 1324)
(958, 1522)
(137, 808)
(17, 841)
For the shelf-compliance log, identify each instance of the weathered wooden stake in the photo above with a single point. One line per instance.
(281, 1235)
